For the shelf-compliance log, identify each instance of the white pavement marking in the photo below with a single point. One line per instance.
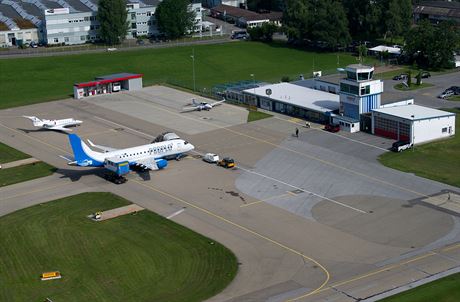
(175, 213)
(302, 189)
(295, 187)
(350, 139)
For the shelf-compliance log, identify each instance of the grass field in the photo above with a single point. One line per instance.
(141, 257)
(443, 290)
(402, 87)
(8, 154)
(24, 173)
(437, 160)
(49, 78)
(257, 115)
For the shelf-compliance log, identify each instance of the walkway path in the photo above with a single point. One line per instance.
(21, 162)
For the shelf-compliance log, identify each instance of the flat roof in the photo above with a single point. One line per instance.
(413, 112)
(119, 76)
(109, 79)
(299, 96)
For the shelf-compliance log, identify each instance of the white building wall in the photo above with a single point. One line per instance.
(433, 129)
(60, 26)
(26, 35)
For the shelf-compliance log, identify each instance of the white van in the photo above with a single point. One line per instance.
(211, 158)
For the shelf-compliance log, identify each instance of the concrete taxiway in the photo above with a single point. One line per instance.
(312, 218)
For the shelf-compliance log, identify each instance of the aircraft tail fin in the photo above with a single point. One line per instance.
(194, 102)
(82, 153)
(35, 120)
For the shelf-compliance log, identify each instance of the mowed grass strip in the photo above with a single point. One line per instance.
(439, 161)
(8, 154)
(31, 80)
(18, 174)
(257, 115)
(446, 289)
(136, 257)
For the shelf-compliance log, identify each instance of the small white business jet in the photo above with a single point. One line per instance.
(151, 156)
(59, 125)
(202, 106)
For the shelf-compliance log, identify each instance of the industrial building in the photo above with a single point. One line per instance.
(16, 32)
(75, 21)
(413, 123)
(108, 84)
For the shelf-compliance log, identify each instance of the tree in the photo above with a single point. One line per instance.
(365, 17)
(432, 46)
(256, 5)
(112, 15)
(296, 20)
(263, 33)
(330, 24)
(174, 18)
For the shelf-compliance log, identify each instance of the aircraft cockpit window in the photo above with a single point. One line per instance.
(186, 142)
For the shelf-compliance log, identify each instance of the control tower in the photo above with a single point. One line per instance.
(359, 93)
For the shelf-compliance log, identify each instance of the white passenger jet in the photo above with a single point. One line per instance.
(202, 106)
(59, 125)
(151, 156)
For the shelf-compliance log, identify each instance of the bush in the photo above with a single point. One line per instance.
(285, 79)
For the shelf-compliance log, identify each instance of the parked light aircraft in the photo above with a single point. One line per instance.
(151, 156)
(202, 106)
(59, 125)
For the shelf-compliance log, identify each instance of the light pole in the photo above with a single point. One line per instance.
(193, 68)
(254, 85)
(413, 134)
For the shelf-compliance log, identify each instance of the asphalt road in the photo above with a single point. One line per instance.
(310, 219)
(428, 96)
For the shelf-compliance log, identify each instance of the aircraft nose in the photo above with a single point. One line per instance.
(190, 147)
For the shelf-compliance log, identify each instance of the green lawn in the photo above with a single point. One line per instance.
(437, 160)
(257, 115)
(446, 289)
(403, 87)
(23, 173)
(141, 257)
(454, 98)
(32, 80)
(8, 154)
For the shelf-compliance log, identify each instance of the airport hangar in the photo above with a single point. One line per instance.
(357, 106)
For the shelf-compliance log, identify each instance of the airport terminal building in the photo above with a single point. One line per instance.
(354, 101)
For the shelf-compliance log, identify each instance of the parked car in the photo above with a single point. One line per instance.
(455, 89)
(33, 45)
(425, 74)
(400, 77)
(446, 94)
(332, 127)
(211, 158)
(400, 146)
(140, 42)
(239, 35)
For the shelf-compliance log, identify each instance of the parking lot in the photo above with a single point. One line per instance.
(299, 213)
(429, 96)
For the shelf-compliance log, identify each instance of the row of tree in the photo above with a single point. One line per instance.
(336, 22)
(174, 19)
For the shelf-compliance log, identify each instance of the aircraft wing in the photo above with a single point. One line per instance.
(147, 163)
(103, 148)
(189, 109)
(59, 128)
(217, 103)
